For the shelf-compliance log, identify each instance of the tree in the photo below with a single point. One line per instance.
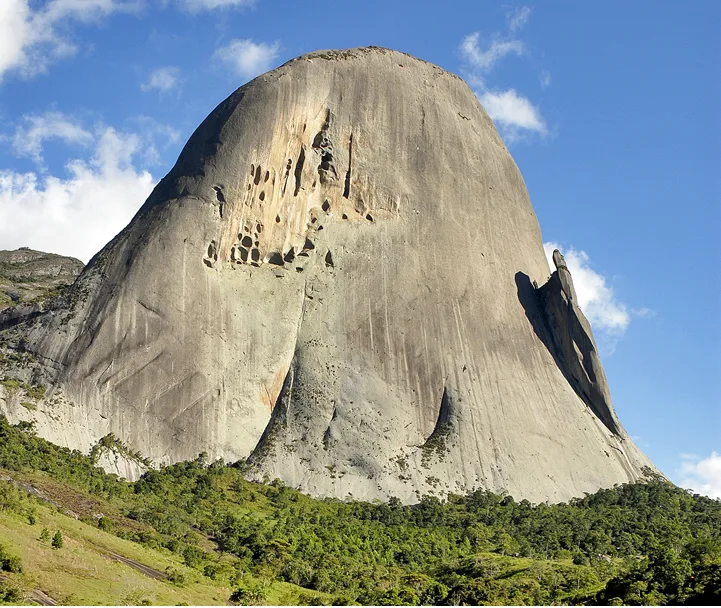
(57, 540)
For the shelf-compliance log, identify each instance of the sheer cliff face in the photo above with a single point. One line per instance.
(336, 279)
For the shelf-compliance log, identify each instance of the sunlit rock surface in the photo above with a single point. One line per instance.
(336, 280)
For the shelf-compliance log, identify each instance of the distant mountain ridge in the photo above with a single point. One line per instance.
(27, 274)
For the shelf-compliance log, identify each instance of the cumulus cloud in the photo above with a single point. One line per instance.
(28, 139)
(196, 6)
(513, 113)
(702, 475)
(247, 58)
(162, 79)
(77, 214)
(32, 35)
(597, 300)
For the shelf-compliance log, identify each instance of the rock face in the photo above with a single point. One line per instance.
(335, 281)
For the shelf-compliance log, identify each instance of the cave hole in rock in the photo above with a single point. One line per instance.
(299, 170)
(267, 176)
(232, 254)
(326, 169)
(298, 269)
(219, 194)
(212, 250)
(254, 255)
(329, 259)
(320, 228)
(303, 254)
(346, 186)
(259, 228)
(277, 219)
(257, 243)
(369, 217)
(243, 254)
(249, 186)
(275, 258)
(326, 206)
(285, 177)
(247, 241)
(252, 169)
(208, 263)
(256, 181)
(308, 244)
(313, 220)
(261, 196)
(344, 216)
(290, 256)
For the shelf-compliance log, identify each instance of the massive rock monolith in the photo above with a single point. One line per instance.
(336, 282)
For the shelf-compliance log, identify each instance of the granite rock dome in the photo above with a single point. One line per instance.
(338, 281)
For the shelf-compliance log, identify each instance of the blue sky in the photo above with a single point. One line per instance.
(611, 111)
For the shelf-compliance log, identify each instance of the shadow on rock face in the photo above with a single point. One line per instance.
(528, 297)
(565, 333)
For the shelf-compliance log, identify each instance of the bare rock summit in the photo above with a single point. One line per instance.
(336, 282)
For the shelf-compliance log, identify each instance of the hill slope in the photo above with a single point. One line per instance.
(209, 532)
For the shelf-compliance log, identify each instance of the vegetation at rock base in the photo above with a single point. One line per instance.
(646, 543)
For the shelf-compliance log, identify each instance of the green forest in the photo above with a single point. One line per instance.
(637, 544)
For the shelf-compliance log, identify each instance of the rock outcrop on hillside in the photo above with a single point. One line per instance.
(336, 282)
(26, 274)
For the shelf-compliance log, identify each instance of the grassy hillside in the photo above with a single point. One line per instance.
(198, 533)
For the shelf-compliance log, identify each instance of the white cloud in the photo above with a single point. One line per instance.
(78, 214)
(196, 6)
(703, 476)
(28, 140)
(247, 58)
(512, 112)
(518, 18)
(485, 60)
(14, 31)
(162, 79)
(30, 39)
(596, 299)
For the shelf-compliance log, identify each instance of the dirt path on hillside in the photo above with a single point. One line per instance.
(147, 570)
